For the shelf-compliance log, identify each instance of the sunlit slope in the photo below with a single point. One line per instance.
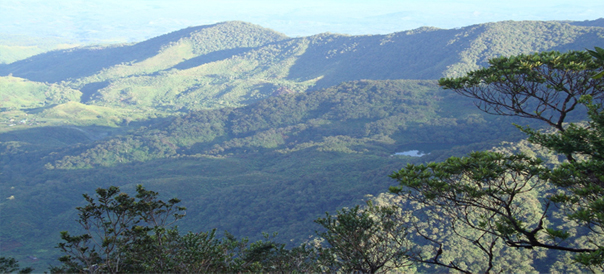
(233, 64)
(376, 117)
(19, 93)
(154, 54)
(328, 59)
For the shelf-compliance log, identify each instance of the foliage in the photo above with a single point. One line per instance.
(10, 265)
(582, 177)
(369, 240)
(487, 192)
(598, 54)
(442, 242)
(509, 197)
(122, 233)
(126, 234)
(544, 86)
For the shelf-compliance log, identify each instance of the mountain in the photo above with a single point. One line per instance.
(165, 50)
(234, 63)
(254, 131)
(589, 23)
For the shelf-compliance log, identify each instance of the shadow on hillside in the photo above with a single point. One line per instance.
(59, 65)
(89, 90)
(579, 42)
(210, 57)
(36, 110)
(593, 23)
(423, 54)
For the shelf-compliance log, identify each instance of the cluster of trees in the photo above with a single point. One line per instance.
(135, 234)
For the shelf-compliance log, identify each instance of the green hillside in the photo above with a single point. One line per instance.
(233, 64)
(177, 46)
(18, 93)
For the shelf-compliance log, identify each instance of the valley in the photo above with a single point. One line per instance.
(253, 130)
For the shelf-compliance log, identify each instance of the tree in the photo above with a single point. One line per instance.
(369, 240)
(544, 86)
(598, 54)
(581, 182)
(122, 233)
(134, 234)
(485, 192)
(511, 198)
(10, 265)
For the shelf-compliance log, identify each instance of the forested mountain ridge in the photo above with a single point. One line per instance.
(234, 63)
(352, 117)
(178, 45)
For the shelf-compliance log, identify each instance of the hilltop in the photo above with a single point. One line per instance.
(233, 64)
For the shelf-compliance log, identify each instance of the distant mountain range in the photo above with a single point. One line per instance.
(236, 63)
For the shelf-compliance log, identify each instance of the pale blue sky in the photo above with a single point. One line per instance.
(135, 20)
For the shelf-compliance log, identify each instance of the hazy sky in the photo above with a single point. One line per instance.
(141, 19)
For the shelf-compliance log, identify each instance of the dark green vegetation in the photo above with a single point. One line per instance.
(124, 234)
(10, 265)
(135, 234)
(494, 198)
(245, 170)
(254, 131)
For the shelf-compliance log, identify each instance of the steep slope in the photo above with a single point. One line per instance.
(430, 53)
(240, 76)
(60, 65)
(233, 64)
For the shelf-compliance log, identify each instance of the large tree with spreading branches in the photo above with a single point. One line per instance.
(519, 200)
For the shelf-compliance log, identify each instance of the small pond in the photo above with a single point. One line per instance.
(419, 150)
(412, 153)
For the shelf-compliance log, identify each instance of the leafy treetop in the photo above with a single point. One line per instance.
(545, 86)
